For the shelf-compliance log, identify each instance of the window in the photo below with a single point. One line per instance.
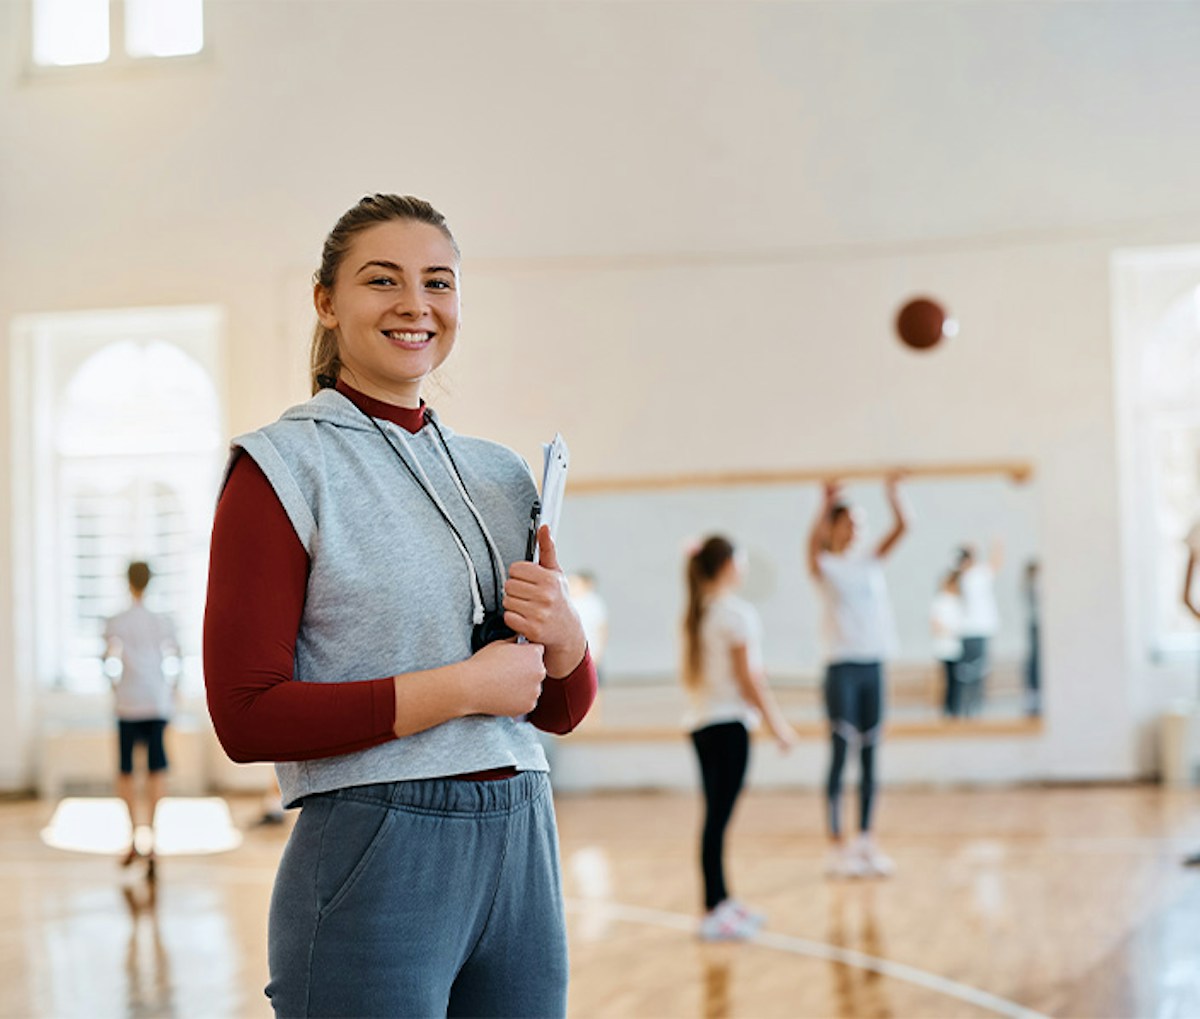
(163, 28)
(121, 430)
(1158, 371)
(71, 32)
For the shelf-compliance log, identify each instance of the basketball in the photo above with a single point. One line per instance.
(921, 323)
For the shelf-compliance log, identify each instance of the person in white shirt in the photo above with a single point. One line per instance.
(945, 623)
(860, 634)
(981, 620)
(140, 640)
(728, 694)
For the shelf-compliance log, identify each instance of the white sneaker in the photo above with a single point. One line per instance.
(725, 923)
(843, 862)
(750, 917)
(874, 862)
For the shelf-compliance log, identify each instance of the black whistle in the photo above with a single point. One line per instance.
(531, 540)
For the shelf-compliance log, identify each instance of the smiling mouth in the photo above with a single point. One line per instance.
(407, 338)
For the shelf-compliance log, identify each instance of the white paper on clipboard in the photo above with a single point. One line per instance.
(556, 458)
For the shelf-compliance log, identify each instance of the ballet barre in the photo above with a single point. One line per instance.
(1018, 471)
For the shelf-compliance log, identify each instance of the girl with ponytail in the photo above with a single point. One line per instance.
(722, 673)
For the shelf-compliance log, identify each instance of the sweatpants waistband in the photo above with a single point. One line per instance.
(450, 796)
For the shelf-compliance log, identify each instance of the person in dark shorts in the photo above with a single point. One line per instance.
(860, 635)
(140, 640)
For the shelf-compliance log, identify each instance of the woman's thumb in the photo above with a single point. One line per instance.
(547, 554)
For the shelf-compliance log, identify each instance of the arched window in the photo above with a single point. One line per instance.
(1169, 412)
(126, 453)
(1158, 373)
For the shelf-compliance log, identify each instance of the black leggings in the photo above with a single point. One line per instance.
(724, 751)
(854, 702)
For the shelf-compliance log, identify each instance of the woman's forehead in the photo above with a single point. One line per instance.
(404, 242)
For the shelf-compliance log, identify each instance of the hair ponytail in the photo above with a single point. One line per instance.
(703, 566)
(324, 362)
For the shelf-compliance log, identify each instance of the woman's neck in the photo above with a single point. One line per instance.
(719, 588)
(411, 419)
(403, 394)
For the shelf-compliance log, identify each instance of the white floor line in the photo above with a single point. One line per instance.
(820, 950)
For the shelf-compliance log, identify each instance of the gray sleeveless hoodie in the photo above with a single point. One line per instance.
(389, 589)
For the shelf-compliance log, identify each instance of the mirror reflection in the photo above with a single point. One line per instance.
(961, 589)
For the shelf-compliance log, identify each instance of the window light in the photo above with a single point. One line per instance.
(163, 28)
(67, 32)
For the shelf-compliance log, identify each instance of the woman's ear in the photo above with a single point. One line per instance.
(323, 302)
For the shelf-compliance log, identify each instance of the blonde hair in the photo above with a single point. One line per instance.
(324, 359)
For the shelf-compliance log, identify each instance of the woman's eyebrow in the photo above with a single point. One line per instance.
(381, 264)
(393, 267)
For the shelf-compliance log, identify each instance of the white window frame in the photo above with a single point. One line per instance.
(71, 338)
(1147, 286)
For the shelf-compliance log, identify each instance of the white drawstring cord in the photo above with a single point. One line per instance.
(477, 610)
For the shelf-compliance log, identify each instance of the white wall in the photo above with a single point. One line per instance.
(677, 209)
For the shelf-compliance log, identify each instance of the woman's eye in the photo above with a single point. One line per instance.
(380, 281)
(439, 284)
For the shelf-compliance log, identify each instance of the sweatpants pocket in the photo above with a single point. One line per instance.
(353, 832)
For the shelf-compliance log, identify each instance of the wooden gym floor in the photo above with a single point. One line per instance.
(1058, 901)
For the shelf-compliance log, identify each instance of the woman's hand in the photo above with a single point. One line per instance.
(538, 607)
(783, 734)
(506, 678)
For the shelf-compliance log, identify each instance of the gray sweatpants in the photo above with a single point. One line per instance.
(427, 898)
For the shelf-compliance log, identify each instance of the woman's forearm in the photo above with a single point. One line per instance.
(429, 698)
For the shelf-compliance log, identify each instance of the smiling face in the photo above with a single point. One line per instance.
(394, 305)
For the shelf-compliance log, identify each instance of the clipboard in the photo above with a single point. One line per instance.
(556, 458)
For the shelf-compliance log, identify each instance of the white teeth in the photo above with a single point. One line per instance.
(393, 334)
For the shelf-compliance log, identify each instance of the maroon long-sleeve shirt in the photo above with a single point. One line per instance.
(258, 578)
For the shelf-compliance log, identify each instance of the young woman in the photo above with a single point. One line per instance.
(860, 634)
(722, 672)
(945, 624)
(366, 562)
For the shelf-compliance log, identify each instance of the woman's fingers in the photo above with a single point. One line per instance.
(525, 589)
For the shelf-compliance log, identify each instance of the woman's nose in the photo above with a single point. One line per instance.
(410, 302)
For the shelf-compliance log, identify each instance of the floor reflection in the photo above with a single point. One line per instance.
(147, 964)
(717, 968)
(182, 826)
(1154, 972)
(854, 924)
(591, 874)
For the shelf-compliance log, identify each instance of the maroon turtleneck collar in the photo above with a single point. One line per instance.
(411, 419)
